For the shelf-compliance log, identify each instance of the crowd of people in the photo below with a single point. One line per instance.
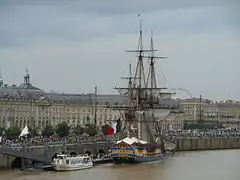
(223, 132)
(52, 140)
(169, 135)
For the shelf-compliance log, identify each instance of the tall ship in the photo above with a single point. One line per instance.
(149, 110)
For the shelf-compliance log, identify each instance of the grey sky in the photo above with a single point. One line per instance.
(72, 45)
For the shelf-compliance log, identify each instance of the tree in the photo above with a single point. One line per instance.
(62, 129)
(78, 130)
(13, 132)
(33, 132)
(91, 130)
(105, 128)
(1, 131)
(48, 131)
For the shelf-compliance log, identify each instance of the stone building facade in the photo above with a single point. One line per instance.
(202, 109)
(28, 105)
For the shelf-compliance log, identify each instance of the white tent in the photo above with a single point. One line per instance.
(131, 141)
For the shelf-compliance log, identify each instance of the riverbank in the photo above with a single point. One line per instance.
(182, 144)
(213, 165)
(207, 143)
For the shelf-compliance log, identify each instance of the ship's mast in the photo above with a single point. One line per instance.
(151, 79)
(139, 78)
(1, 80)
(130, 101)
(130, 79)
(138, 92)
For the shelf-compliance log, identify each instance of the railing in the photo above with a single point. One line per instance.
(18, 146)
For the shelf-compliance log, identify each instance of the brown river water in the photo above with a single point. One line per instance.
(198, 165)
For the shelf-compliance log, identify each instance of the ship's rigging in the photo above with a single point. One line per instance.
(144, 97)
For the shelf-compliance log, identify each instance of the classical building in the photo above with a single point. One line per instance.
(28, 105)
(193, 108)
(204, 109)
(225, 111)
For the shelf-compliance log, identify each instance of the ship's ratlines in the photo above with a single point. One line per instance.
(148, 108)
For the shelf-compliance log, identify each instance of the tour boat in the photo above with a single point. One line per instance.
(68, 162)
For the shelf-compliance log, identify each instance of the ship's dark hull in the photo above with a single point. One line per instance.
(102, 161)
(137, 159)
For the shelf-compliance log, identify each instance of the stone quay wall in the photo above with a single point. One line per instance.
(7, 161)
(91, 147)
(183, 144)
(207, 143)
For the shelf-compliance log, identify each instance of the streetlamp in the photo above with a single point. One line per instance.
(95, 106)
(200, 99)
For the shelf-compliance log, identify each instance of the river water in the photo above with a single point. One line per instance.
(198, 165)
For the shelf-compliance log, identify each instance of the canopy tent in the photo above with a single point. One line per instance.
(131, 141)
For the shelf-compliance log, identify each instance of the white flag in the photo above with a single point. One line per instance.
(114, 126)
(24, 132)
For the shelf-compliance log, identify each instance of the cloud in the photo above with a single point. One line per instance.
(71, 47)
(201, 63)
(24, 24)
(108, 7)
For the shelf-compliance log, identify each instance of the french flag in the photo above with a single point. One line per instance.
(112, 130)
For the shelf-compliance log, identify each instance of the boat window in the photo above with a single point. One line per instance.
(86, 160)
(76, 161)
(67, 161)
(60, 157)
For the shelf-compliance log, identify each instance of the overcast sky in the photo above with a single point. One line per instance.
(71, 46)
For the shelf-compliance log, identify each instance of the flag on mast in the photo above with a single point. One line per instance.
(112, 130)
(114, 126)
(24, 132)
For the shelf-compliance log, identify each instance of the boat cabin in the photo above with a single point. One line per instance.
(134, 147)
(72, 159)
(68, 162)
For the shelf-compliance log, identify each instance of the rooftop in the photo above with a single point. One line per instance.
(27, 91)
(224, 105)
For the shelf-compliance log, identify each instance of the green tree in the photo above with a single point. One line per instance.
(105, 128)
(48, 131)
(1, 131)
(33, 132)
(91, 130)
(62, 129)
(13, 132)
(78, 130)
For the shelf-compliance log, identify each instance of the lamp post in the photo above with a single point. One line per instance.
(95, 106)
(200, 99)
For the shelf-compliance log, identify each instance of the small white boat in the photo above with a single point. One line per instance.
(67, 162)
